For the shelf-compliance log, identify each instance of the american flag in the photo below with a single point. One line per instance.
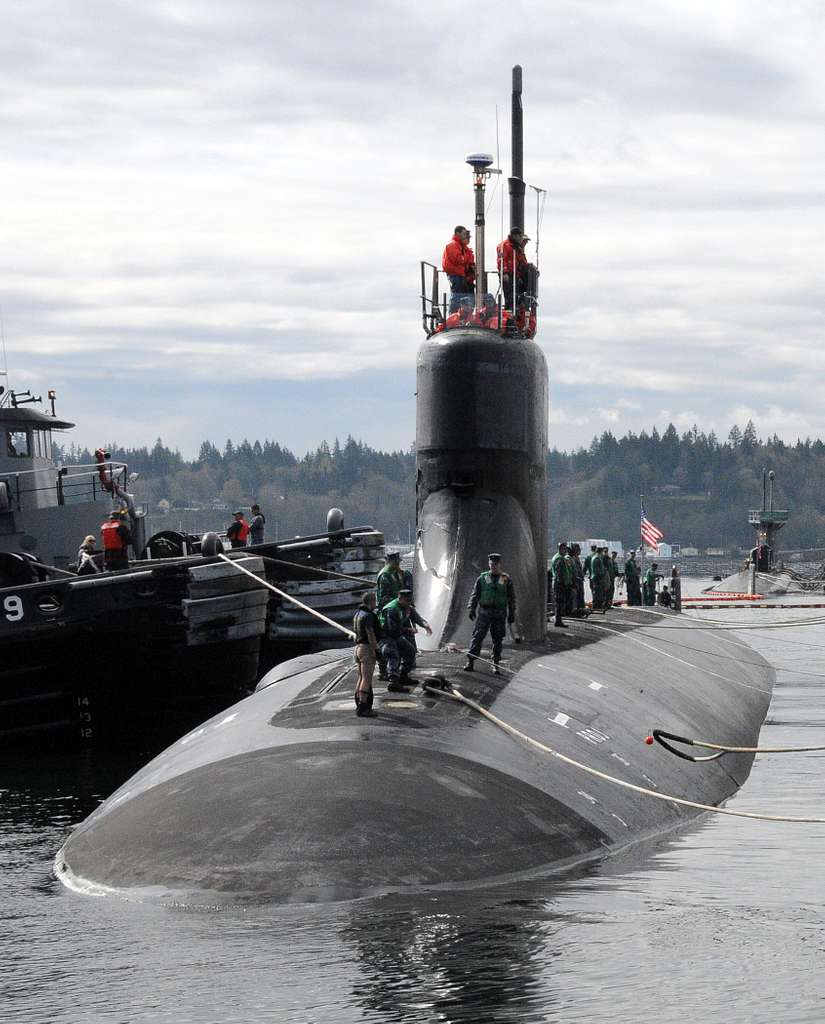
(651, 534)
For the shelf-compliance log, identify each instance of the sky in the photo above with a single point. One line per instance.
(213, 213)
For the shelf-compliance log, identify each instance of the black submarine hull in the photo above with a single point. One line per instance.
(289, 797)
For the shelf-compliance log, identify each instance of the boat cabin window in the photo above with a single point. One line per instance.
(43, 444)
(17, 443)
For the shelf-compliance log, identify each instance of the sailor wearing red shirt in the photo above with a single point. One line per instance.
(116, 537)
(487, 315)
(238, 531)
(512, 261)
(459, 264)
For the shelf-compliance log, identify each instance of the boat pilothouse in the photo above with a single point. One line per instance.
(504, 300)
(46, 509)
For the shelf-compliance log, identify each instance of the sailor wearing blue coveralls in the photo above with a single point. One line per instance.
(495, 601)
(397, 643)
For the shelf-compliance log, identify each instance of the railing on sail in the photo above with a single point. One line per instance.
(69, 486)
(433, 307)
(438, 311)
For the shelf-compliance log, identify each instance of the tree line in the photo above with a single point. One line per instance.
(697, 487)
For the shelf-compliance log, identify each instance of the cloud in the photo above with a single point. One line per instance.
(236, 200)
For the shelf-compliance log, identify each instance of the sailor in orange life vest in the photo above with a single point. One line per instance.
(116, 537)
(459, 264)
(487, 315)
(238, 531)
(511, 260)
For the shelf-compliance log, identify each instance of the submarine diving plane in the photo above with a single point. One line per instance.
(471, 778)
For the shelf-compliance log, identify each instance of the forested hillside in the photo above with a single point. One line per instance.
(697, 488)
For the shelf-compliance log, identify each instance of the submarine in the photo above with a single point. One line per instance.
(471, 778)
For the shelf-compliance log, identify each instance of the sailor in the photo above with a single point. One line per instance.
(612, 571)
(598, 580)
(397, 645)
(487, 315)
(86, 564)
(650, 585)
(257, 526)
(116, 537)
(391, 579)
(238, 530)
(460, 317)
(512, 261)
(632, 576)
(562, 572)
(495, 600)
(664, 598)
(570, 594)
(615, 572)
(588, 561)
(459, 264)
(367, 630)
(579, 608)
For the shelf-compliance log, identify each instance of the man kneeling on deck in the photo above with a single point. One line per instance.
(397, 645)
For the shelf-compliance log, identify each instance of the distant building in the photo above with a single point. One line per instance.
(611, 545)
(690, 552)
(715, 552)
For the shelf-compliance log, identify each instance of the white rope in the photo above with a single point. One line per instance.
(458, 696)
(289, 597)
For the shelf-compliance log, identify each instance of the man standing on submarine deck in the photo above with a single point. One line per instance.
(495, 600)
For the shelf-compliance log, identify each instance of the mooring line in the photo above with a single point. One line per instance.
(458, 696)
(289, 597)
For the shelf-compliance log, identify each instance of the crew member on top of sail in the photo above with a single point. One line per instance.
(512, 261)
(487, 315)
(459, 264)
(460, 318)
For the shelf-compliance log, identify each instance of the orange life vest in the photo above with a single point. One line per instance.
(112, 541)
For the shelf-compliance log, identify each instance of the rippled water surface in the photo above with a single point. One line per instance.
(722, 922)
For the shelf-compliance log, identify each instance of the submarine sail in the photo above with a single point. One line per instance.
(481, 445)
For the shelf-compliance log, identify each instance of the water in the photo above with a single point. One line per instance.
(724, 921)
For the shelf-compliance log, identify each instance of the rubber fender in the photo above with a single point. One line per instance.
(15, 570)
(211, 544)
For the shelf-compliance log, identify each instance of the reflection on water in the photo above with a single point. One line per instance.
(724, 920)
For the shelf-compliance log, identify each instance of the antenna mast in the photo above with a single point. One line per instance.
(516, 182)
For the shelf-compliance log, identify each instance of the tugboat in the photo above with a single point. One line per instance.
(155, 647)
(473, 777)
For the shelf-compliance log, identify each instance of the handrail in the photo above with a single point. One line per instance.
(92, 467)
(62, 482)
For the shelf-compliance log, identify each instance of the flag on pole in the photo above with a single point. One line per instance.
(651, 534)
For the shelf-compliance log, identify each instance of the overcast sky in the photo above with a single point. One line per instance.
(213, 213)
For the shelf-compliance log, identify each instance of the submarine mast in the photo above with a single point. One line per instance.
(516, 180)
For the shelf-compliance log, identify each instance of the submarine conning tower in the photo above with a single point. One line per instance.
(481, 444)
